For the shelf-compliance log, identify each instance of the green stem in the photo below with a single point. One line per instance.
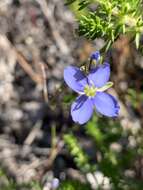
(53, 136)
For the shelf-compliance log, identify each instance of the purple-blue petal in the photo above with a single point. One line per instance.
(74, 78)
(106, 104)
(82, 109)
(100, 75)
(95, 56)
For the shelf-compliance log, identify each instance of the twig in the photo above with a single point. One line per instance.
(47, 164)
(27, 68)
(39, 79)
(45, 92)
(48, 13)
(32, 135)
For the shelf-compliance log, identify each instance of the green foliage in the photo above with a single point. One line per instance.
(113, 162)
(35, 185)
(103, 131)
(80, 157)
(73, 185)
(103, 136)
(134, 97)
(68, 98)
(110, 19)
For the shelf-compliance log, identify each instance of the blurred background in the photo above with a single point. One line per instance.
(40, 146)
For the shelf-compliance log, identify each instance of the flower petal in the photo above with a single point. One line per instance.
(82, 109)
(106, 104)
(74, 78)
(100, 75)
(95, 56)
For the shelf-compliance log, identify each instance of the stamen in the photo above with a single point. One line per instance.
(105, 87)
(90, 90)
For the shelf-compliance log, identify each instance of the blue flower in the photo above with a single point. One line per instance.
(95, 56)
(91, 92)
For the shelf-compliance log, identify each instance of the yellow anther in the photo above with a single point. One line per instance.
(90, 91)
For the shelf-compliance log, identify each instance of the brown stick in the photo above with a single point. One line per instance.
(27, 68)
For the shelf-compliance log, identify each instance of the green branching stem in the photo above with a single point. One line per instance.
(110, 19)
(80, 157)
